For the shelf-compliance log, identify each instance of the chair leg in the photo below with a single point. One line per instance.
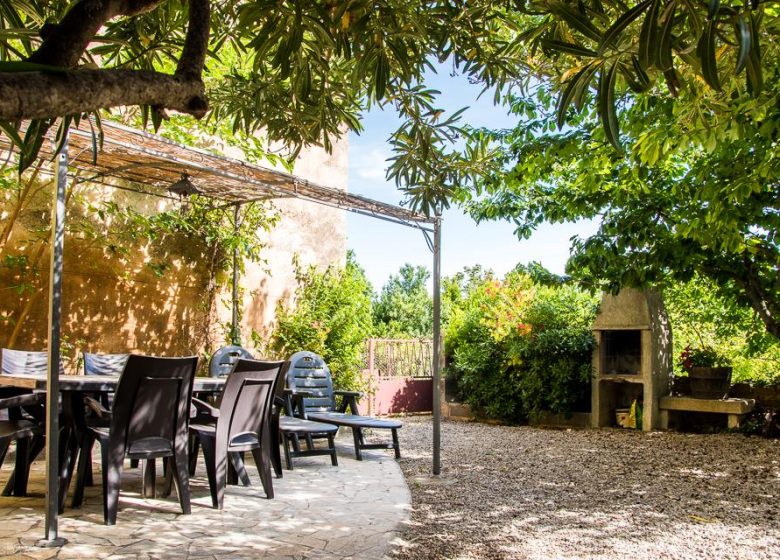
(194, 448)
(287, 458)
(3, 450)
(69, 455)
(215, 455)
(332, 444)
(396, 447)
(111, 460)
(168, 476)
(296, 443)
(357, 436)
(149, 481)
(263, 462)
(180, 470)
(84, 471)
(22, 469)
(239, 467)
(276, 455)
(36, 446)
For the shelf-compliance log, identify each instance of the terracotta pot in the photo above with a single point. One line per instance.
(710, 382)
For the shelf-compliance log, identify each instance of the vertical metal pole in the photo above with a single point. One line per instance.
(53, 381)
(235, 339)
(436, 343)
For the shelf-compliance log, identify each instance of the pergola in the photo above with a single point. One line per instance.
(146, 163)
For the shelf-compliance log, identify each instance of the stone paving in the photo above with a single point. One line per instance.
(352, 511)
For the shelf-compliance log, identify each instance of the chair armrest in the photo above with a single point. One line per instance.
(23, 400)
(294, 402)
(205, 408)
(349, 400)
(356, 394)
(96, 407)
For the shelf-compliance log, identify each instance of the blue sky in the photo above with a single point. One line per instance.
(382, 247)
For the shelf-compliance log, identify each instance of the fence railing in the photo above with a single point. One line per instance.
(402, 357)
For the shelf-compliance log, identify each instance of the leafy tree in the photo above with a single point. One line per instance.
(330, 315)
(404, 308)
(701, 318)
(666, 47)
(300, 70)
(688, 196)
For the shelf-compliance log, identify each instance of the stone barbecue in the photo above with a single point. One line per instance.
(633, 356)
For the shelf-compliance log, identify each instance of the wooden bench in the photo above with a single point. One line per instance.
(736, 409)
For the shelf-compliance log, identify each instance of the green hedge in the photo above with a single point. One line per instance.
(517, 347)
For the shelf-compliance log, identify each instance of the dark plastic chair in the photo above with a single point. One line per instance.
(241, 423)
(149, 420)
(28, 435)
(223, 360)
(220, 365)
(25, 362)
(309, 376)
(22, 362)
(100, 415)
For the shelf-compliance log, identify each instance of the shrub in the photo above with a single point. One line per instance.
(517, 347)
(331, 315)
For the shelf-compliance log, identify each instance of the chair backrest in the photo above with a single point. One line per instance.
(309, 372)
(24, 362)
(152, 404)
(222, 360)
(246, 401)
(104, 364)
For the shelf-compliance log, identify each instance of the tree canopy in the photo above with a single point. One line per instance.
(302, 71)
(404, 306)
(686, 196)
(299, 70)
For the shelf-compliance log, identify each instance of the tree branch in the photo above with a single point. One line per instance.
(764, 306)
(196, 44)
(37, 95)
(65, 42)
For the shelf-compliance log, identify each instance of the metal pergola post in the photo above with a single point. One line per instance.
(437, 343)
(234, 338)
(51, 537)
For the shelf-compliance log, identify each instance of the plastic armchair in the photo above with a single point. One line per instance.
(149, 420)
(309, 372)
(240, 423)
(28, 435)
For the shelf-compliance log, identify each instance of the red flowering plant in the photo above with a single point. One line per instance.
(700, 356)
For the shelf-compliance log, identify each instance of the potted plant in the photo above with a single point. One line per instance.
(709, 374)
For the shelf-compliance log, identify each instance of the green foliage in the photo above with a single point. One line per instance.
(517, 347)
(694, 192)
(660, 47)
(197, 233)
(404, 307)
(701, 318)
(302, 72)
(331, 315)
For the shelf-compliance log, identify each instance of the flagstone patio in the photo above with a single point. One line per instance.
(349, 512)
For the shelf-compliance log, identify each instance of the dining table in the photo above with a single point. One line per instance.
(73, 389)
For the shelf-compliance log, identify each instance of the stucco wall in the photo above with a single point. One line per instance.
(117, 303)
(316, 233)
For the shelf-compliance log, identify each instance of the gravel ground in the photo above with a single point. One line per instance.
(520, 492)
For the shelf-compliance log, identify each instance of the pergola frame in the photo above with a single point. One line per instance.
(151, 164)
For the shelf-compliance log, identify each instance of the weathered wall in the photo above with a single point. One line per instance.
(114, 303)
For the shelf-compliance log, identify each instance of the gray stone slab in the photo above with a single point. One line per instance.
(351, 511)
